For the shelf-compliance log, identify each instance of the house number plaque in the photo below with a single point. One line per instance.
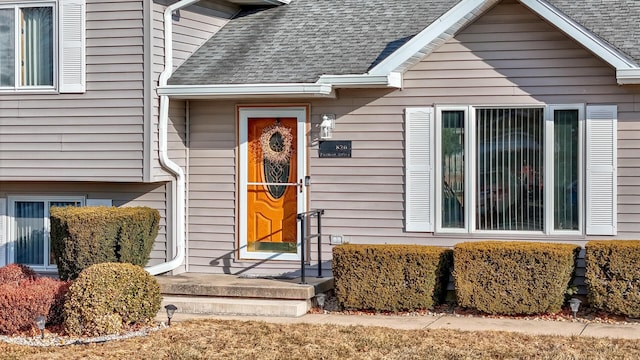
(334, 149)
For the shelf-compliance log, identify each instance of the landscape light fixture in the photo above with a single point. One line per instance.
(41, 321)
(170, 310)
(320, 300)
(575, 305)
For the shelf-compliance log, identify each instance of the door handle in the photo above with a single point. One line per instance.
(306, 182)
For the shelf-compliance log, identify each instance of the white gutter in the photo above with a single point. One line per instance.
(393, 79)
(628, 76)
(247, 90)
(178, 206)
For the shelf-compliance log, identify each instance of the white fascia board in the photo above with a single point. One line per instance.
(260, 2)
(414, 49)
(583, 36)
(628, 76)
(246, 91)
(391, 80)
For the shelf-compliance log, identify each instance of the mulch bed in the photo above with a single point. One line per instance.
(585, 314)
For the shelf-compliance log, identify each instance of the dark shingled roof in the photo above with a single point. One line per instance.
(297, 43)
(617, 22)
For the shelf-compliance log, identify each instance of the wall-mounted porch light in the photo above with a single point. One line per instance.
(327, 125)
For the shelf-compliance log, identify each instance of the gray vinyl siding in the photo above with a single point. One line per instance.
(508, 56)
(194, 27)
(212, 187)
(121, 194)
(95, 136)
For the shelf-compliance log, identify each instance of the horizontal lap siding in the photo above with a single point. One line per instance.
(212, 221)
(212, 182)
(508, 56)
(189, 33)
(96, 136)
(121, 194)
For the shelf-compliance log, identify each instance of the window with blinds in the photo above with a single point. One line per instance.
(31, 230)
(27, 62)
(510, 169)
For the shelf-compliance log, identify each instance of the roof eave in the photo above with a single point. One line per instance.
(260, 2)
(247, 91)
(586, 38)
(432, 36)
(391, 80)
(628, 76)
(468, 10)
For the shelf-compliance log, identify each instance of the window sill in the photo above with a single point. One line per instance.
(512, 236)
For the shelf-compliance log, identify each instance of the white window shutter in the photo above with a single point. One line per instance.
(602, 158)
(419, 164)
(72, 29)
(3, 232)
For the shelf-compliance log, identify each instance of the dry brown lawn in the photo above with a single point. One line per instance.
(217, 339)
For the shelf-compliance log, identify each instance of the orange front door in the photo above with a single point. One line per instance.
(272, 187)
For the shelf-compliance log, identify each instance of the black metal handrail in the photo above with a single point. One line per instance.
(304, 237)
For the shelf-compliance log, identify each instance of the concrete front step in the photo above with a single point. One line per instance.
(221, 294)
(236, 306)
(218, 285)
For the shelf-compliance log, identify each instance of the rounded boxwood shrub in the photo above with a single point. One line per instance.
(109, 296)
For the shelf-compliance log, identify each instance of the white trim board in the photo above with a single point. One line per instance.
(467, 11)
(434, 35)
(583, 36)
(244, 113)
(247, 91)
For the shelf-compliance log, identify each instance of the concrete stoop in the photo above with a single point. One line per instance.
(232, 295)
(237, 306)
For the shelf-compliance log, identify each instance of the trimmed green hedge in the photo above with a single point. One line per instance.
(513, 277)
(83, 236)
(613, 276)
(390, 277)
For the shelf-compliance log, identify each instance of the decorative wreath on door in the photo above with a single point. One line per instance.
(274, 150)
(275, 143)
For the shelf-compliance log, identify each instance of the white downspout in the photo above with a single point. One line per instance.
(179, 204)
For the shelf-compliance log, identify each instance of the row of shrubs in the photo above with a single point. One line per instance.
(490, 276)
(102, 300)
(99, 252)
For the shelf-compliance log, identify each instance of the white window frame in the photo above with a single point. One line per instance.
(69, 47)
(11, 200)
(17, 87)
(468, 185)
(470, 168)
(549, 167)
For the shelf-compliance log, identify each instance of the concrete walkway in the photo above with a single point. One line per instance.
(533, 327)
